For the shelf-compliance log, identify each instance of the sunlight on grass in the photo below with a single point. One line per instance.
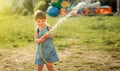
(96, 32)
(16, 29)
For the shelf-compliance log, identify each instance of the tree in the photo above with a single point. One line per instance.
(41, 5)
(28, 5)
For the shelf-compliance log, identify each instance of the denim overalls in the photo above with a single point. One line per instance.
(48, 50)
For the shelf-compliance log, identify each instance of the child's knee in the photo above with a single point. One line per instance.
(40, 67)
(49, 63)
(49, 66)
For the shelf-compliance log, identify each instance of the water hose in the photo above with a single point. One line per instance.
(42, 54)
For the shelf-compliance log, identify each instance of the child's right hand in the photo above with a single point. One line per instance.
(40, 40)
(37, 40)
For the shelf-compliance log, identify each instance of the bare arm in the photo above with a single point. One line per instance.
(37, 40)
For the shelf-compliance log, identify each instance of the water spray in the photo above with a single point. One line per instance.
(58, 23)
(81, 5)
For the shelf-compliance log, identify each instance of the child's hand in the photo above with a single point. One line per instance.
(37, 40)
(40, 40)
(43, 38)
(50, 35)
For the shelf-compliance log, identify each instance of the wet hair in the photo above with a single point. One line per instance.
(39, 15)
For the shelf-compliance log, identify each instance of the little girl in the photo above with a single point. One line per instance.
(45, 51)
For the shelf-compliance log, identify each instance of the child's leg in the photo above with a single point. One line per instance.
(49, 66)
(40, 67)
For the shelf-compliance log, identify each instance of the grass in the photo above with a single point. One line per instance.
(85, 43)
(95, 32)
(16, 30)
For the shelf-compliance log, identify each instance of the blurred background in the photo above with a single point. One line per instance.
(89, 40)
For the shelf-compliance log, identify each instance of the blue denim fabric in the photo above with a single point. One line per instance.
(48, 50)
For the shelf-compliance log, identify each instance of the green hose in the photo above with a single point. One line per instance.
(42, 54)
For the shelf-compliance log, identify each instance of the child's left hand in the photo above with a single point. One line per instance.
(50, 35)
(43, 38)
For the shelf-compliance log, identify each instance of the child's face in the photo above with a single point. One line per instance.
(40, 23)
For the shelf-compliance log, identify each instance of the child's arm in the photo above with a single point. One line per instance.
(37, 40)
(36, 36)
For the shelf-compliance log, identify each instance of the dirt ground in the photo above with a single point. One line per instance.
(73, 58)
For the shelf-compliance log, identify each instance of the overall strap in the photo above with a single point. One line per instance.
(38, 29)
(47, 28)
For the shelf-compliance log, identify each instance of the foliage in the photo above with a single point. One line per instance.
(16, 7)
(41, 6)
(25, 12)
(28, 5)
(7, 10)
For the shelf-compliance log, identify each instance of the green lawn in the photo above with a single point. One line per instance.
(85, 43)
(16, 30)
(92, 32)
